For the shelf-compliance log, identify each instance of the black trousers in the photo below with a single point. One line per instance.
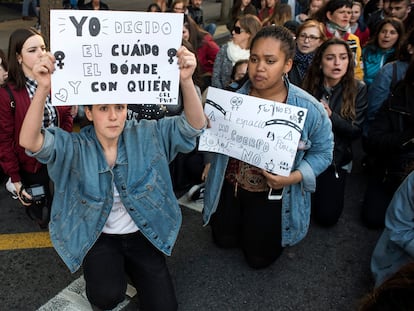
(249, 221)
(112, 258)
(328, 199)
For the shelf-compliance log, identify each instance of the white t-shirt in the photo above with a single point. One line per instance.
(119, 221)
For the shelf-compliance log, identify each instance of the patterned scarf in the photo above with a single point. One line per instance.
(337, 30)
(49, 115)
(236, 53)
(302, 62)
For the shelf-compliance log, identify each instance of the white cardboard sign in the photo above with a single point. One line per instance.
(105, 57)
(260, 132)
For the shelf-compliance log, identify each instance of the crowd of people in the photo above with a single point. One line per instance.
(350, 64)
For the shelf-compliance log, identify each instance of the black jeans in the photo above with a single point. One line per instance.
(328, 199)
(249, 221)
(114, 257)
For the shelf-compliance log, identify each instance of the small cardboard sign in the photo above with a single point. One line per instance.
(260, 132)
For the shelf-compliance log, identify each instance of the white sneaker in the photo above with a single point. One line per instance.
(12, 189)
(196, 192)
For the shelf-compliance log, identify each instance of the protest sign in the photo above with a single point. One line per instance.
(106, 57)
(260, 132)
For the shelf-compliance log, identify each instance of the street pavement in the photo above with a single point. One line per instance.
(328, 270)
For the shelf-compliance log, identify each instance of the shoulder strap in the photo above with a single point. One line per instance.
(12, 101)
(394, 76)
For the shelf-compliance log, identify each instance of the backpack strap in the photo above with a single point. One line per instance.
(394, 76)
(12, 101)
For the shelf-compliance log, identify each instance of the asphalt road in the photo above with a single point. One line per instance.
(328, 270)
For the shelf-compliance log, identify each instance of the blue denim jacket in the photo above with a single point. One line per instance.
(395, 246)
(314, 156)
(83, 180)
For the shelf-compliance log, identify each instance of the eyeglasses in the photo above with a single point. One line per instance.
(311, 38)
(177, 9)
(238, 30)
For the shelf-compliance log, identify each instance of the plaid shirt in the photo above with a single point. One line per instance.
(49, 116)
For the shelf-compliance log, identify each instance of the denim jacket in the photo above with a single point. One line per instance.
(395, 246)
(83, 180)
(312, 158)
(381, 88)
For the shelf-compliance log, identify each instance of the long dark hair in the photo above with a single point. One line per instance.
(197, 34)
(399, 27)
(16, 42)
(314, 78)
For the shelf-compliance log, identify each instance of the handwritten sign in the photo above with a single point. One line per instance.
(260, 132)
(115, 57)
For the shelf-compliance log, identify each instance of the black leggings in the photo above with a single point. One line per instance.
(249, 221)
(112, 258)
(328, 200)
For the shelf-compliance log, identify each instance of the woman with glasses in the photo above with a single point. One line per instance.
(330, 78)
(179, 6)
(310, 35)
(245, 28)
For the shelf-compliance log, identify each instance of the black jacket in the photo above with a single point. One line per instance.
(345, 130)
(391, 133)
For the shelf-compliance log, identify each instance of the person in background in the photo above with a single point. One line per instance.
(3, 68)
(357, 23)
(310, 35)
(195, 11)
(387, 77)
(240, 7)
(238, 75)
(162, 4)
(382, 12)
(280, 16)
(330, 78)
(314, 6)
(154, 8)
(205, 47)
(336, 15)
(268, 9)
(94, 5)
(3, 77)
(236, 49)
(236, 202)
(114, 205)
(26, 9)
(382, 48)
(390, 138)
(402, 9)
(26, 47)
(395, 293)
(179, 6)
(394, 248)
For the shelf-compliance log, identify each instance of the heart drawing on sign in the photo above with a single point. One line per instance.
(62, 95)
